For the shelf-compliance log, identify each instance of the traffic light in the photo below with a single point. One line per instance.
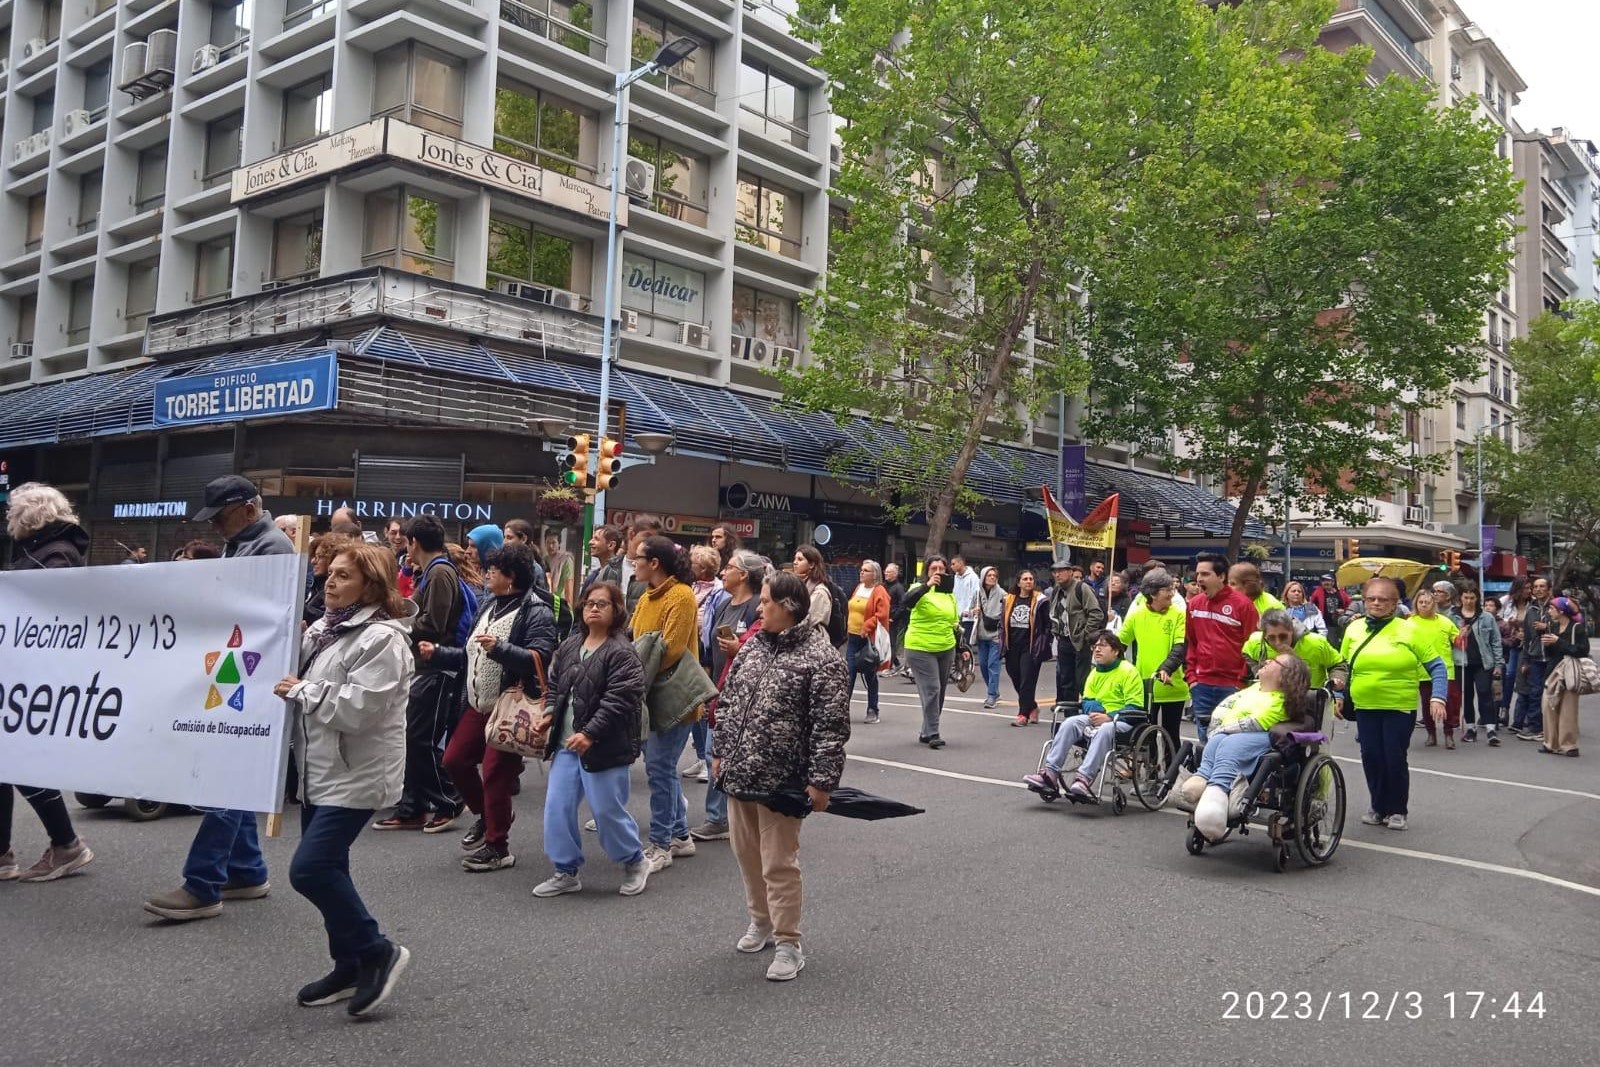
(577, 462)
(608, 465)
(1451, 559)
(1355, 547)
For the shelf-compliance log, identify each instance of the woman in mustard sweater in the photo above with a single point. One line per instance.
(1114, 686)
(667, 607)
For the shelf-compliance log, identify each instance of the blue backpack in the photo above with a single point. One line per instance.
(469, 605)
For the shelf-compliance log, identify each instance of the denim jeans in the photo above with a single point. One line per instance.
(1508, 680)
(607, 793)
(697, 736)
(320, 872)
(716, 799)
(226, 851)
(870, 673)
(1203, 699)
(1231, 756)
(1099, 745)
(669, 810)
(989, 664)
(1530, 712)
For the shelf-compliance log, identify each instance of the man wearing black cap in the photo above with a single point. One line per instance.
(225, 860)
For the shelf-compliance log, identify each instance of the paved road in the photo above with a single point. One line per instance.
(992, 930)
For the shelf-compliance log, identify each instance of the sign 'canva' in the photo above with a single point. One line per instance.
(152, 682)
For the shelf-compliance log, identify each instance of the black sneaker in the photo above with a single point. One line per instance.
(1470, 735)
(488, 858)
(377, 980)
(935, 741)
(473, 837)
(339, 984)
(1494, 739)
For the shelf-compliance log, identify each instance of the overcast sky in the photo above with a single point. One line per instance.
(1553, 44)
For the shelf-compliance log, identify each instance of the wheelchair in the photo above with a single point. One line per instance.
(1140, 759)
(1301, 789)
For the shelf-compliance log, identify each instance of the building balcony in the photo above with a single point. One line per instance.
(1371, 23)
(375, 293)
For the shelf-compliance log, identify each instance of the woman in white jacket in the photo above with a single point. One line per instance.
(348, 714)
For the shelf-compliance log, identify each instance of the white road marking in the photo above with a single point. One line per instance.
(1435, 857)
(1354, 761)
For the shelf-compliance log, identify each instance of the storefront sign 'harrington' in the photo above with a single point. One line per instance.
(152, 682)
(403, 142)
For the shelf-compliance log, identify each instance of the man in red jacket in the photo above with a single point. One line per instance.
(1219, 622)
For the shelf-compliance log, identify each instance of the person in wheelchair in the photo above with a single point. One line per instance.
(1114, 687)
(1241, 735)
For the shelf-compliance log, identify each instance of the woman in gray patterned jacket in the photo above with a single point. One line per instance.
(782, 722)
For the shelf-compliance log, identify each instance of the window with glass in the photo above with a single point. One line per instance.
(1461, 415)
(691, 77)
(683, 179)
(296, 12)
(150, 186)
(421, 86)
(569, 23)
(766, 316)
(544, 129)
(50, 19)
(663, 293)
(33, 237)
(141, 299)
(27, 318)
(308, 111)
(297, 247)
(90, 187)
(410, 231)
(230, 22)
(771, 106)
(767, 216)
(43, 115)
(97, 88)
(213, 269)
(224, 148)
(521, 252)
(80, 311)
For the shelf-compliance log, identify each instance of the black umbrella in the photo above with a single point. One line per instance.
(843, 801)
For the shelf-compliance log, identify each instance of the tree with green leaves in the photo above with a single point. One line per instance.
(1552, 469)
(1332, 281)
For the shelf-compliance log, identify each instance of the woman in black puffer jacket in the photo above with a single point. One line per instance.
(597, 687)
(46, 535)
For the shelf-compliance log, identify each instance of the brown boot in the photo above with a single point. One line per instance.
(180, 905)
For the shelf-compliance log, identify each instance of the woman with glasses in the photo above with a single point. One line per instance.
(597, 684)
(1281, 633)
(1384, 655)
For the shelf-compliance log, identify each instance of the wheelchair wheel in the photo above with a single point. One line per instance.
(1119, 801)
(1319, 811)
(1196, 843)
(1282, 860)
(1151, 758)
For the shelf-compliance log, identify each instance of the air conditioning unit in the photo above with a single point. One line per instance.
(835, 154)
(205, 57)
(21, 350)
(1416, 514)
(561, 298)
(1455, 72)
(76, 122)
(34, 47)
(694, 335)
(759, 352)
(163, 55)
(630, 320)
(639, 178)
(19, 151)
(39, 142)
(785, 358)
(740, 347)
(133, 58)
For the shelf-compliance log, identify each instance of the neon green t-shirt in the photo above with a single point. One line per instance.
(1117, 688)
(1318, 654)
(1264, 708)
(1152, 637)
(1384, 676)
(1266, 602)
(931, 626)
(1438, 635)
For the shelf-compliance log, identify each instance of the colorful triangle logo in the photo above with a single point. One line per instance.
(213, 698)
(237, 639)
(228, 673)
(236, 702)
(251, 660)
(211, 660)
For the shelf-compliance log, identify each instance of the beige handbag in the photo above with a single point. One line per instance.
(516, 723)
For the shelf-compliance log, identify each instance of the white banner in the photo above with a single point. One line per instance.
(152, 681)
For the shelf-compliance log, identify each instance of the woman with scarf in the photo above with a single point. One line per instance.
(1383, 655)
(323, 548)
(348, 713)
(991, 614)
(512, 641)
(1564, 646)
(1025, 642)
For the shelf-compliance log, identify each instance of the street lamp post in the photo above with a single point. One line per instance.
(669, 55)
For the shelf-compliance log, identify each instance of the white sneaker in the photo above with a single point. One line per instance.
(694, 770)
(1237, 797)
(756, 939)
(557, 884)
(787, 962)
(1372, 818)
(634, 876)
(658, 858)
(683, 846)
(705, 773)
(591, 827)
(1397, 822)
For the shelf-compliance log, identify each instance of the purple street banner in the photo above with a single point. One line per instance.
(1073, 499)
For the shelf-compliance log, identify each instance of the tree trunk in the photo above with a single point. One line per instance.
(1566, 564)
(1247, 500)
(939, 520)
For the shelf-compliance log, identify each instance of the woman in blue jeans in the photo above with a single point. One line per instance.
(991, 606)
(348, 713)
(868, 609)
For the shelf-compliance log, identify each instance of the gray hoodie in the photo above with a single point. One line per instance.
(349, 712)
